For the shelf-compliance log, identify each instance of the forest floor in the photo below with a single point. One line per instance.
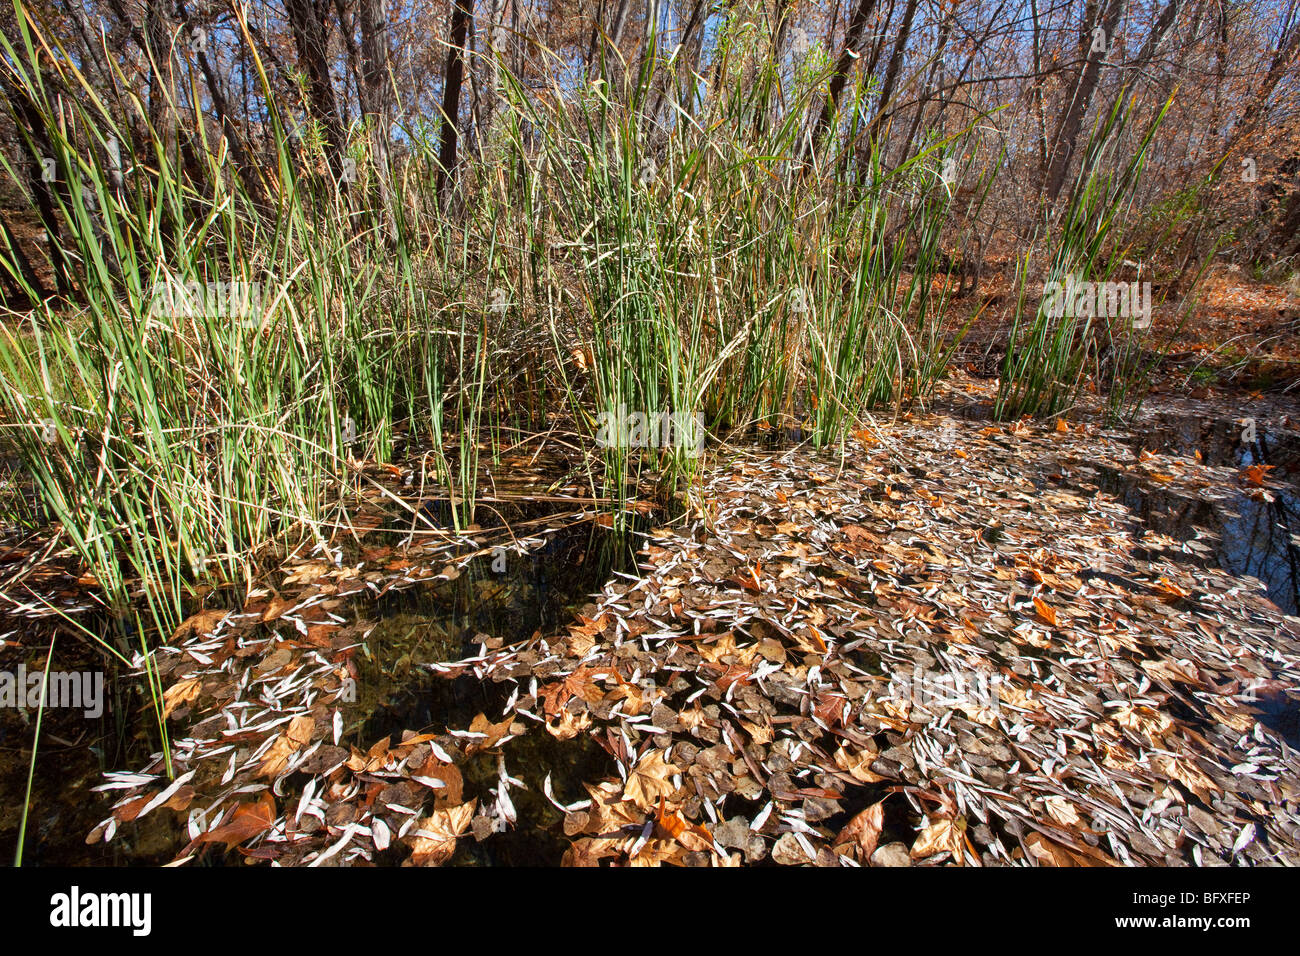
(946, 643)
(952, 641)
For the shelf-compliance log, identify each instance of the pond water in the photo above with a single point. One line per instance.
(73, 754)
(398, 690)
(1243, 531)
(505, 599)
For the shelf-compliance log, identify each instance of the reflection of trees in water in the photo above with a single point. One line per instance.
(1255, 535)
(1257, 539)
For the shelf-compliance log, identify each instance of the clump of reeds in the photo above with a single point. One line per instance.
(1050, 357)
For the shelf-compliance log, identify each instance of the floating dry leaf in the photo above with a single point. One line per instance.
(859, 837)
(434, 840)
(181, 693)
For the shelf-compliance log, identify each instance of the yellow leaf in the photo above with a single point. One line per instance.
(944, 834)
(434, 840)
(650, 780)
(1062, 811)
(568, 725)
(286, 745)
(182, 692)
(858, 765)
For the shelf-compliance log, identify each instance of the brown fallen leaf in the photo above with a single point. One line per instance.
(434, 840)
(1154, 724)
(609, 812)
(1051, 853)
(131, 809)
(182, 692)
(672, 824)
(1062, 811)
(858, 765)
(308, 572)
(589, 851)
(725, 646)
(1172, 588)
(276, 609)
(180, 800)
(249, 820)
(204, 622)
(492, 734)
(759, 733)
(569, 725)
(1186, 771)
(373, 759)
(859, 837)
(943, 834)
(444, 779)
(297, 736)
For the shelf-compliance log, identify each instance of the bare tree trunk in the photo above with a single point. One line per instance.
(307, 20)
(497, 41)
(852, 38)
(24, 268)
(1287, 232)
(1085, 85)
(28, 116)
(780, 38)
(377, 101)
(162, 88)
(462, 13)
(683, 64)
(649, 53)
(892, 71)
(692, 48)
(1152, 43)
(607, 37)
(1288, 45)
(1040, 114)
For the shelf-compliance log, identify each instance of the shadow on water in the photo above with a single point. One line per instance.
(498, 603)
(76, 745)
(501, 599)
(504, 599)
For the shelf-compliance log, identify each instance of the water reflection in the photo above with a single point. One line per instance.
(1254, 530)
